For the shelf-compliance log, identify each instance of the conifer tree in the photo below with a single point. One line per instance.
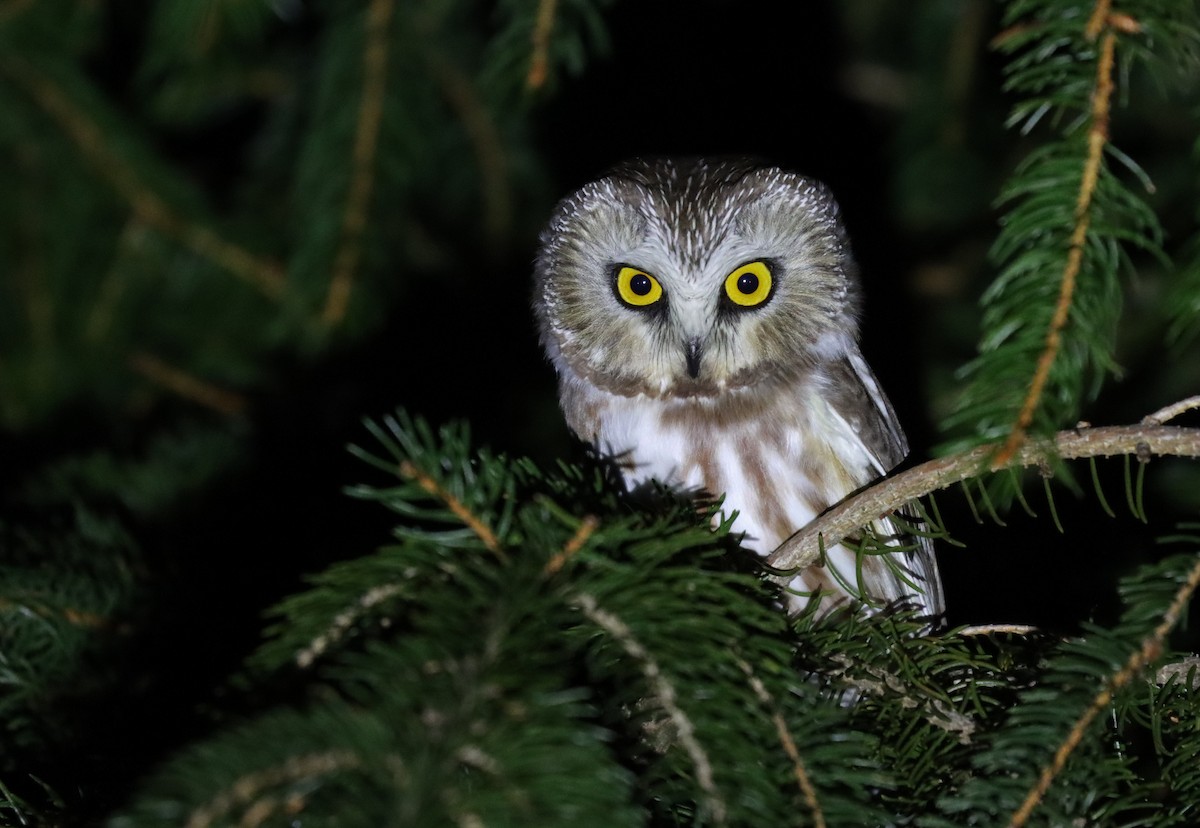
(238, 235)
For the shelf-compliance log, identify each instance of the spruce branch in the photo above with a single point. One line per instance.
(248, 792)
(539, 61)
(1151, 648)
(1050, 316)
(362, 163)
(890, 494)
(344, 622)
(666, 698)
(1097, 137)
(486, 142)
(587, 527)
(409, 471)
(186, 385)
(88, 137)
(799, 771)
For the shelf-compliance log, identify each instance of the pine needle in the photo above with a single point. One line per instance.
(1099, 489)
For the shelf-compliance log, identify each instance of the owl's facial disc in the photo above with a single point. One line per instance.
(694, 280)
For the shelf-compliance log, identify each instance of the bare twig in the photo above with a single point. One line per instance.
(1178, 670)
(1170, 412)
(803, 548)
(997, 629)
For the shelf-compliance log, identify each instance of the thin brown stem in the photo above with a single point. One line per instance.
(1097, 19)
(186, 385)
(486, 142)
(539, 61)
(586, 528)
(456, 506)
(799, 771)
(147, 205)
(362, 163)
(250, 790)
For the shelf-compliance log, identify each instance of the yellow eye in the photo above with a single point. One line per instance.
(749, 285)
(637, 288)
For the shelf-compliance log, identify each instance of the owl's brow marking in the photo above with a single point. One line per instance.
(664, 694)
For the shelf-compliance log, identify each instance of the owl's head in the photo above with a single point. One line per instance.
(680, 278)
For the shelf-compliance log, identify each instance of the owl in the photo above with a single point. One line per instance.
(702, 316)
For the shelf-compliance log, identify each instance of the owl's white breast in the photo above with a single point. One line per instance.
(779, 456)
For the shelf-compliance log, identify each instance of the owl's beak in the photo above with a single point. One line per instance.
(691, 350)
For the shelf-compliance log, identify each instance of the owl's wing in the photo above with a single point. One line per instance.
(857, 399)
(856, 396)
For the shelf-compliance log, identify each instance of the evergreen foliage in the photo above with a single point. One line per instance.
(231, 229)
(1070, 220)
(669, 688)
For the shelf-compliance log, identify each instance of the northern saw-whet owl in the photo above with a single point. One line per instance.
(702, 316)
